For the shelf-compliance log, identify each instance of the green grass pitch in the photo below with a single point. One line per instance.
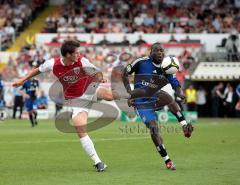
(43, 155)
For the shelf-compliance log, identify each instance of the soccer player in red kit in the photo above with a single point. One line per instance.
(77, 76)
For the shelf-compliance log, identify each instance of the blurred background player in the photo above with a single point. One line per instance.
(17, 102)
(148, 96)
(30, 88)
(1, 86)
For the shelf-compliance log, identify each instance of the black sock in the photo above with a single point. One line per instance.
(162, 151)
(179, 115)
(35, 115)
(31, 119)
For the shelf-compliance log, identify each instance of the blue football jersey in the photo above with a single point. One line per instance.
(30, 87)
(150, 75)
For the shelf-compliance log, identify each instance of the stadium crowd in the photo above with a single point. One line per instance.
(105, 55)
(146, 16)
(15, 16)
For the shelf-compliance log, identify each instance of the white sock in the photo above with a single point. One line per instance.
(184, 122)
(88, 146)
(166, 157)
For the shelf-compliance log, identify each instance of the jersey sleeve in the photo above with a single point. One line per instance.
(128, 70)
(173, 81)
(88, 67)
(133, 67)
(46, 66)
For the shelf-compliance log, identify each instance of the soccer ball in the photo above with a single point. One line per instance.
(170, 65)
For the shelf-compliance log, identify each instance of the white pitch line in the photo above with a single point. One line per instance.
(68, 141)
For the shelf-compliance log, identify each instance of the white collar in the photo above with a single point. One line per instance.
(156, 65)
(61, 60)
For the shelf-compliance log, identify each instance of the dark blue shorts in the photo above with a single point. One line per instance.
(146, 109)
(30, 104)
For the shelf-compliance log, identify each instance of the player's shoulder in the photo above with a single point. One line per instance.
(35, 81)
(26, 83)
(52, 61)
(140, 60)
(136, 64)
(82, 58)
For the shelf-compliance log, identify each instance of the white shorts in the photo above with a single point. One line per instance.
(82, 103)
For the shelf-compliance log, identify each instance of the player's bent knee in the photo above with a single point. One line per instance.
(109, 96)
(164, 99)
(80, 123)
(82, 134)
(81, 130)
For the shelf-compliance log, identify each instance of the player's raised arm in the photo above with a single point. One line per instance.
(32, 73)
(46, 66)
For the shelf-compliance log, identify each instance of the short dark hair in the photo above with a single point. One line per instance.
(69, 46)
(156, 44)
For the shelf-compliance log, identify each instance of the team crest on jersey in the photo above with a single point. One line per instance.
(76, 70)
(129, 68)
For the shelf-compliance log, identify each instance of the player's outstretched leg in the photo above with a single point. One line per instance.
(186, 127)
(80, 122)
(158, 142)
(106, 94)
(165, 99)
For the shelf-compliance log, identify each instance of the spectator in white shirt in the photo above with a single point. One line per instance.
(201, 101)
